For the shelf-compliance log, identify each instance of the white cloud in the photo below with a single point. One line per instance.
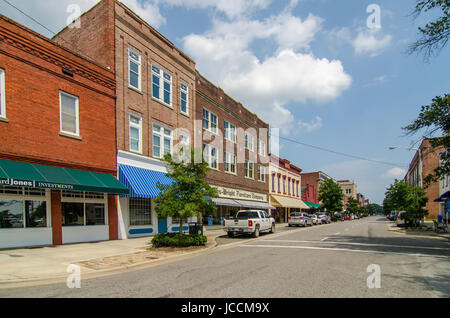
(149, 11)
(313, 125)
(396, 173)
(366, 42)
(292, 74)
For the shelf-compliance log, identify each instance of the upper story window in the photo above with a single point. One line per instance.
(134, 62)
(210, 154)
(273, 182)
(135, 133)
(249, 141)
(184, 147)
(209, 121)
(2, 94)
(262, 149)
(262, 173)
(249, 169)
(162, 141)
(69, 114)
(230, 131)
(348, 191)
(184, 98)
(230, 163)
(161, 85)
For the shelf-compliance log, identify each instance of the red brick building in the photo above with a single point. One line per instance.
(425, 160)
(57, 146)
(155, 105)
(235, 143)
(311, 185)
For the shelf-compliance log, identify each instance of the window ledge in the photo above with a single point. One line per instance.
(162, 103)
(4, 119)
(135, 90)
(63, 134)
(185, 114)
(231, 173)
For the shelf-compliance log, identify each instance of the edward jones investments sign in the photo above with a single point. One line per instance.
(35, 184)
(240, 194)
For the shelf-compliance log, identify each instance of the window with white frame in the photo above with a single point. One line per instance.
(230, 131)
(211, 156)
(209, 121)
(69, 114)
(140, 211)
(262, 150)
(83, 209)
(2, 94)
(162, 141)
(135, 133)
(230, 163)
(262, 171)
(134, 62)
(184, 98)
(249, 141)
(161, 85)
(249, 168)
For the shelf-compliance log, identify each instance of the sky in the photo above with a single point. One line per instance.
(328, 73)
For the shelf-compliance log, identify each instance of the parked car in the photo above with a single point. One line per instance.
(325, 219)
(339, 216)
(347, 218)
(299, 218)
(249, 222)
(400, 221)
(315, 219)
(393, 215)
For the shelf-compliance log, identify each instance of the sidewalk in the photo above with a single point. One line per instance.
(429, 233)
(35, 266)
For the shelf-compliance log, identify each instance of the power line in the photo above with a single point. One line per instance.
(30, 17)
(343, 154)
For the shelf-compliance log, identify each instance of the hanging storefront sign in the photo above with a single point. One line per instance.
(240, 194)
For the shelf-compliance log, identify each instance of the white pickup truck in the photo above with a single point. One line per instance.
(249, 222)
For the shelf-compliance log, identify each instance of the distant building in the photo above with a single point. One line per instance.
(311, 182)
(350, 190)
(424, 162)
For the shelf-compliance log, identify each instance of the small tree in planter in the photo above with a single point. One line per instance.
(189, 195)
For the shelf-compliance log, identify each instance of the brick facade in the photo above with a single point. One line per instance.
(214, 99)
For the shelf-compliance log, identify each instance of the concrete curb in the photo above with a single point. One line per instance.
(137, 266)
(395, 228)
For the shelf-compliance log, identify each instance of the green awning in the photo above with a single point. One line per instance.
(313, 205)
(28, 175)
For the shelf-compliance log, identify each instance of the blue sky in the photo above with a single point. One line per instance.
(310, 67)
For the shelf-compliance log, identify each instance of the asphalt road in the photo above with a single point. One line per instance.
(321, 261)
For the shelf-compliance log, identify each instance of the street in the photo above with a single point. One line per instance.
(321, 261)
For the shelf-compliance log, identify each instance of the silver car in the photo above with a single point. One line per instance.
(299, 219)
(315, 219)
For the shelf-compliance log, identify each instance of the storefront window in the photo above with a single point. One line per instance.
(95, 214)
(72, 214)
(36, 214)
(11, 214)
(140, 212)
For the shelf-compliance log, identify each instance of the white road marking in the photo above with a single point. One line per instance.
(325, 238)
(342, 249)
(337, 233)
(362, 244)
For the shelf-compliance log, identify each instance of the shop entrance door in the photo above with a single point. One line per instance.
(162, 226)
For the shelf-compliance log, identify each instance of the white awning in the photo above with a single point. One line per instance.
(255, 205)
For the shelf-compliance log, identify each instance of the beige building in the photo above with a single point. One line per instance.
(444, 194)
(350, 190)
(285, 188)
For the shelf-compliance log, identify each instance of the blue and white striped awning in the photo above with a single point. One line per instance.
(142, 182)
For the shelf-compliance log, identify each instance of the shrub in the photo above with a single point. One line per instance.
(178, 240)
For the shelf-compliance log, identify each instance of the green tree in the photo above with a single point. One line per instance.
(352, 205)
(435, 118)
(331, 196)
(400, 196)
(189, 195)
(435, 34)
